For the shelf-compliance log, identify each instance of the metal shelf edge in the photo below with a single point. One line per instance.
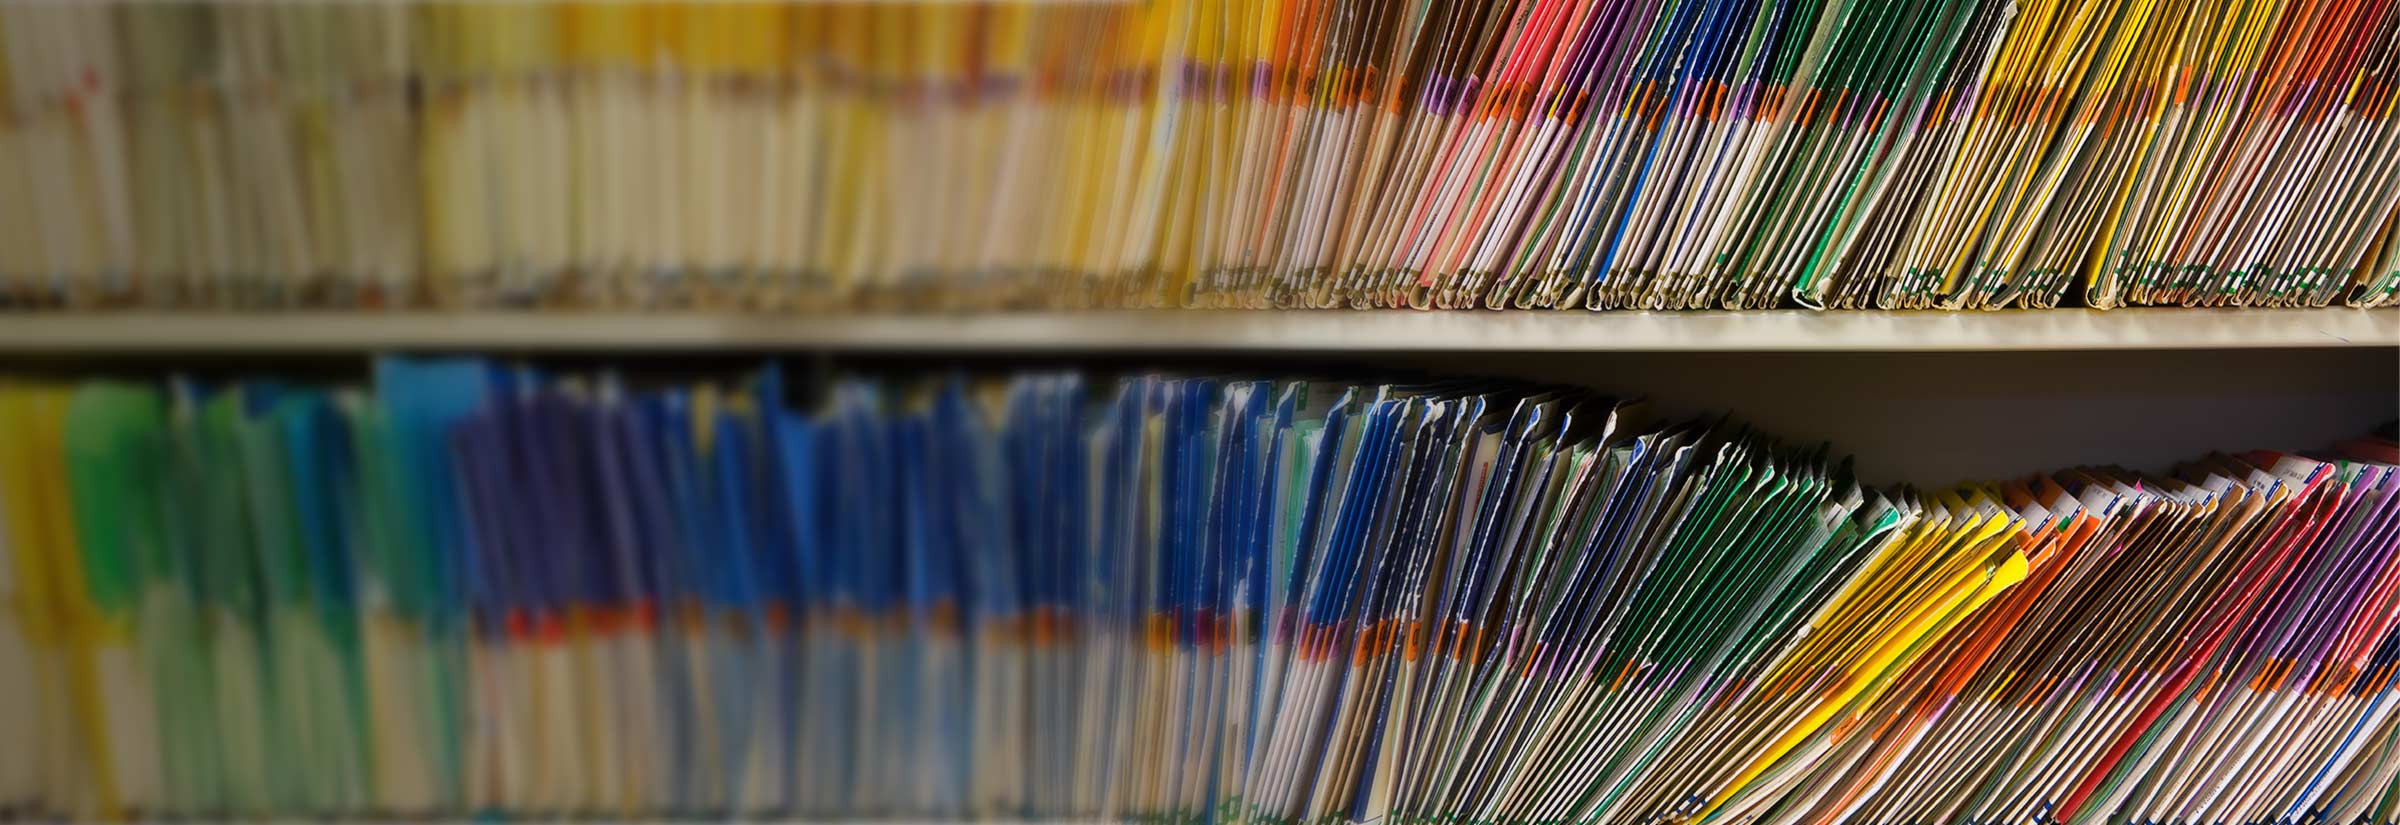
(1202, 331)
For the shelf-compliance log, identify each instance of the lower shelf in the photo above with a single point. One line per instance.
(1208, 331)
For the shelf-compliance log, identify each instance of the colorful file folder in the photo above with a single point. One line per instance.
(471, 588)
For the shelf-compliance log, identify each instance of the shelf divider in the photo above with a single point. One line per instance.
(1200, 331)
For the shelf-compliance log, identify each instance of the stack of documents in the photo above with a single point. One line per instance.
(470, 588)
(1601, 154)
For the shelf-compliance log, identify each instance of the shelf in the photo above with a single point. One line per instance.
(1204, 331)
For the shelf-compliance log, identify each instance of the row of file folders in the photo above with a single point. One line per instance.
(474, 589)
(1647, 154)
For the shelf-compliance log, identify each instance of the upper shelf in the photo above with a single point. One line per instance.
(1203, 331)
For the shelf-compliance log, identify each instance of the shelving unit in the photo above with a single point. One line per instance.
(424, 565)
(1210, 331)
